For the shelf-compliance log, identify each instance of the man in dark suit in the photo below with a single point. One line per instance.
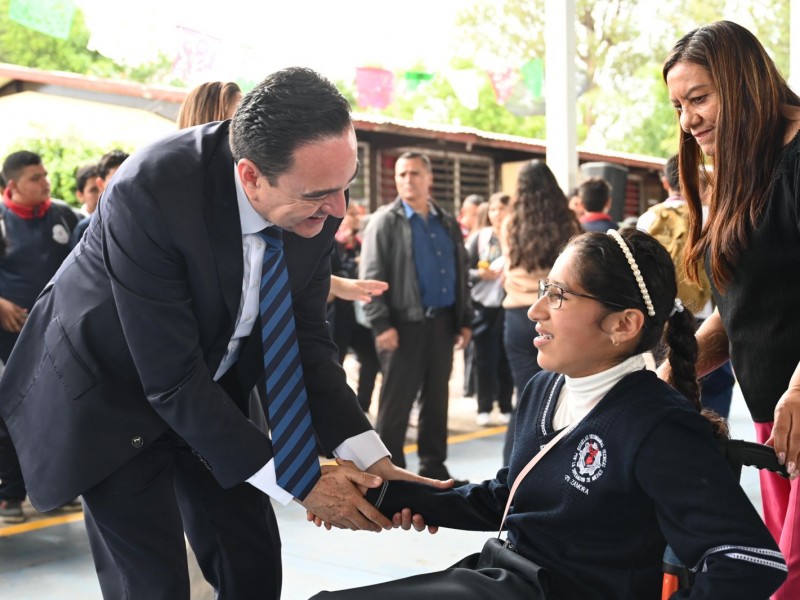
(129, 383)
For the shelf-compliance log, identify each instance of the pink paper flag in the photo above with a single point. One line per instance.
(503, 83)
(197, 54)
(374, 87)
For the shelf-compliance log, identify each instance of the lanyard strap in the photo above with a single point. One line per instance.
(532, 463)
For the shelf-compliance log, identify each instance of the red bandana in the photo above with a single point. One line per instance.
(591, 217)
(26, 212)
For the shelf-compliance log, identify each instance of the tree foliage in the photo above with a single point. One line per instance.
(20, 45)
(620, 46)
(512, 33)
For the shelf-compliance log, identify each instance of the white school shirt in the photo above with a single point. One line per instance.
(363, 449)
(579, 395)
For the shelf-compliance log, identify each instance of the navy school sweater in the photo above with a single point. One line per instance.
(640, 470)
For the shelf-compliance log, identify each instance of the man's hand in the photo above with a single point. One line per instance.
(387, 341)
(12, 317)
(338, 499)
(664, 372)
(387, 470)
(463, 338)
(357, 289)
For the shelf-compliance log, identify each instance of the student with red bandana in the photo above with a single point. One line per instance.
(37, 232)
(595, 198)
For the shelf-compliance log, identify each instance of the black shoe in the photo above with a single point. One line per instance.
(73, 506)
(11, 511)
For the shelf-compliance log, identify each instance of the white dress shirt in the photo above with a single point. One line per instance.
(364, 449)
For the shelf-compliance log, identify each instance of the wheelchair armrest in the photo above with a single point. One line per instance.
(752, 454)
(675, 574)
(737, 452)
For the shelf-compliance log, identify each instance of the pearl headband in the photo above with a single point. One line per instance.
(635, 268)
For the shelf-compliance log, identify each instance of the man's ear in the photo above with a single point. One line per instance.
(101, 184)
(249, 175)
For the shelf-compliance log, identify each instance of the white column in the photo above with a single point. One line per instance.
(794, 45)
(561, 116)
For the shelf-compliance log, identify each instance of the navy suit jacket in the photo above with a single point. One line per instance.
(123, 344)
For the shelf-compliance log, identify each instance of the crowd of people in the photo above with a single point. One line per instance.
(163, 334)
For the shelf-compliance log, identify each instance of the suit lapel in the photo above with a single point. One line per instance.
(225, 235)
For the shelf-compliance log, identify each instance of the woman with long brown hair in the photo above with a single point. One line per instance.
(737, 112)
(538, 228)
(207, 102)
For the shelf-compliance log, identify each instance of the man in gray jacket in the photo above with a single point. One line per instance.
(417, 248)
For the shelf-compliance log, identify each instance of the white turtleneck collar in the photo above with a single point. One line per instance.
(579, 395)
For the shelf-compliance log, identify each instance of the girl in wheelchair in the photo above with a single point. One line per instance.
(636, 467)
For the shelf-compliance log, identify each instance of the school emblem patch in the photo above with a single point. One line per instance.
(589, 460)
(60, 234)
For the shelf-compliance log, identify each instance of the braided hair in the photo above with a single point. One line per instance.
(603, 270)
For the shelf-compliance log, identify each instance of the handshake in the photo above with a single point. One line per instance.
(338, 500)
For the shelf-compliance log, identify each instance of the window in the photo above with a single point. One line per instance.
(359, 188)
(455, 176)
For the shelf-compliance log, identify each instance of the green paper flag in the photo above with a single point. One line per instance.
(51, 17)
(533, 76)
(414, 78)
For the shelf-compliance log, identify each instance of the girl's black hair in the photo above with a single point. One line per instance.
(604, 272)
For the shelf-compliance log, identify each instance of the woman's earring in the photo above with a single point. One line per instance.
(614, 342)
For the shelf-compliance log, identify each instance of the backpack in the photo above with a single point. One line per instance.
(670, 228)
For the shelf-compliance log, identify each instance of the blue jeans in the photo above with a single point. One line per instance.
(494, 380)
(518, 339)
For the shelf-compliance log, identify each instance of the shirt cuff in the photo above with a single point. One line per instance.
(364, 449)
(264, 479)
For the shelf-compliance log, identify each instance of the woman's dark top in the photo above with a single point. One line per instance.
(760, 306)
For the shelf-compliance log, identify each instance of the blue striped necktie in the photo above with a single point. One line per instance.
(293, 444)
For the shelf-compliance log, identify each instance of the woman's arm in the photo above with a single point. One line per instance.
(712, 348)
(712, 344)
